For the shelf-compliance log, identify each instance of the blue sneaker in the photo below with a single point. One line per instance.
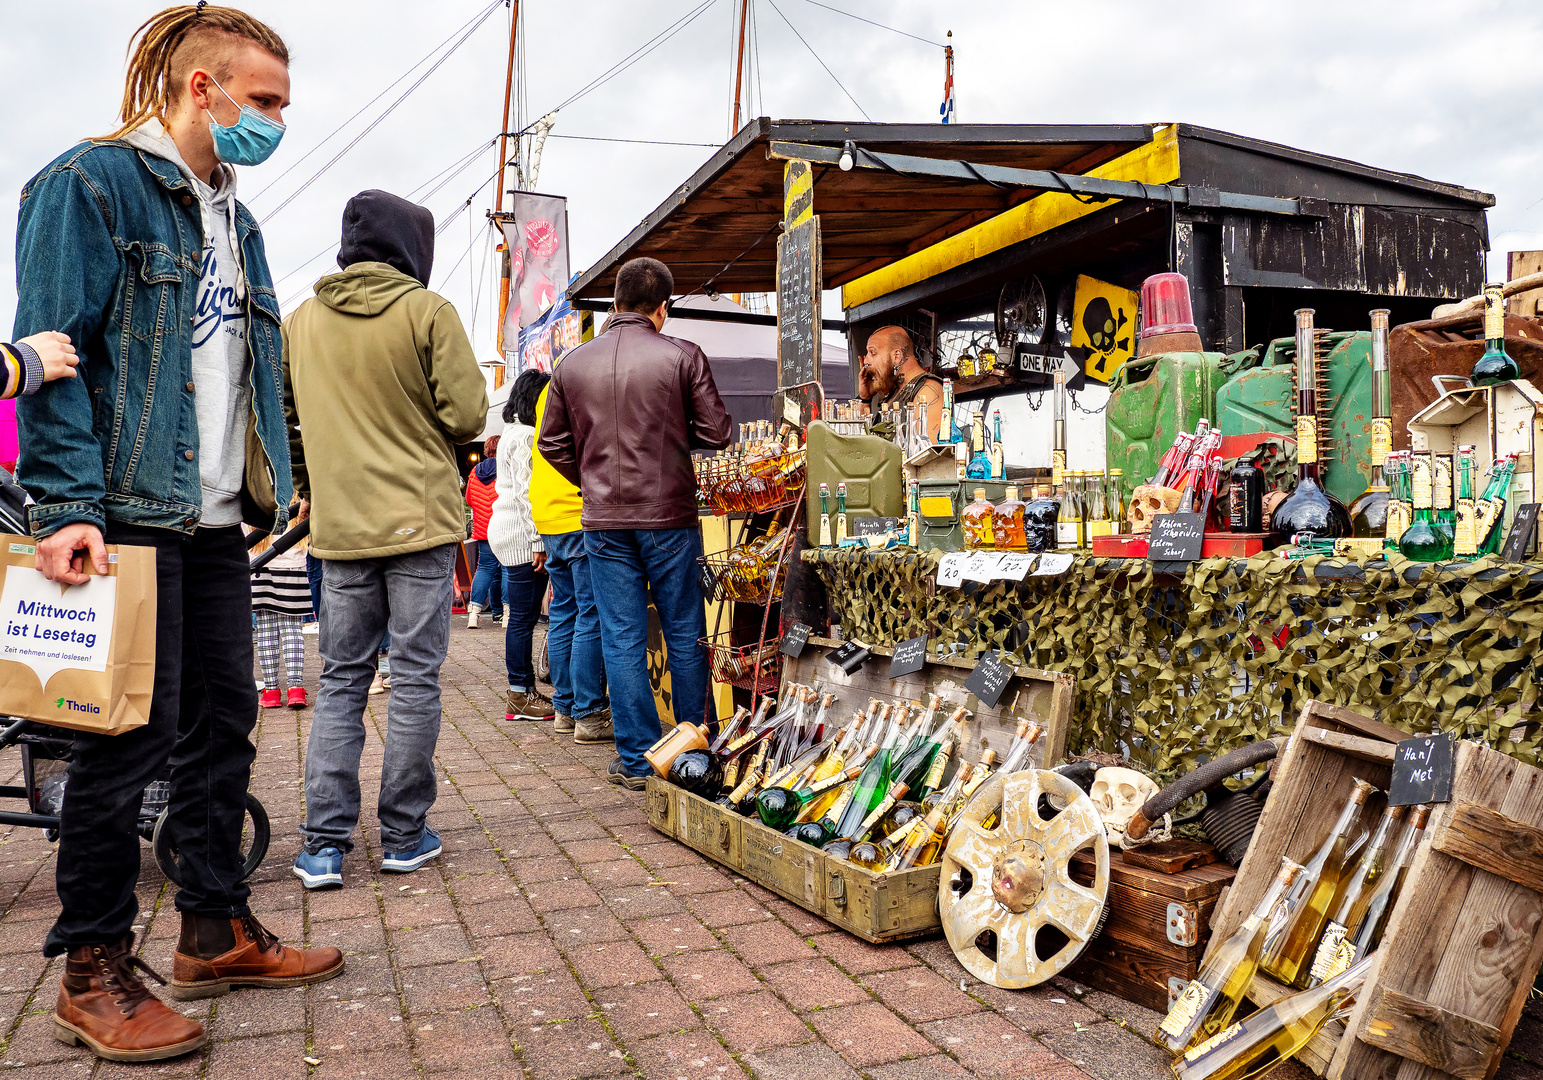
(321, 869)
(405, 862)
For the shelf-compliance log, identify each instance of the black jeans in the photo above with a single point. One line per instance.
(202, 712)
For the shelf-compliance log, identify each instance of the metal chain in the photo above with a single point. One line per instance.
(1072, 394)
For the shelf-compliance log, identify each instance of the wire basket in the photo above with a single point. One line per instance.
(742, 490)
(745, 666)
(733, 578)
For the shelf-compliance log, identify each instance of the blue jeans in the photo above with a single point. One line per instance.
(487, 586)
(573, 628)
(411, 594)
(313, 575)
(625, 567)
(523, 589)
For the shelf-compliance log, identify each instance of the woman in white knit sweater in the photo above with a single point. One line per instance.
(512, 536)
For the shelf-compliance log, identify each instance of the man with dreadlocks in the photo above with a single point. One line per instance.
(135, 247)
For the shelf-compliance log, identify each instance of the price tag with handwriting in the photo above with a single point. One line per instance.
(981, 566)
(951, 568)
(1013, 566)
(909, 657)
(1422, 771)
(850, 656)
(1052, 564)
(989, 680)
(795, 639)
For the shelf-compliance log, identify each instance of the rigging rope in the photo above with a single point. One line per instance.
(822, 63)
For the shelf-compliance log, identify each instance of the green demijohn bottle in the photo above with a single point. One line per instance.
(1423, 541)
(1496, 365)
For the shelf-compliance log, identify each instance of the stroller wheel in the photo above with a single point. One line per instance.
(255, 834)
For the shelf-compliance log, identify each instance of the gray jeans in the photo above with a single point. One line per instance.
(409, 595)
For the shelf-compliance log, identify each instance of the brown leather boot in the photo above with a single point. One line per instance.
(256, 959)
(105, 1005)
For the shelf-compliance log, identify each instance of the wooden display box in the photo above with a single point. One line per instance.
(1155, 931)
(877, 907)
(1463, 943)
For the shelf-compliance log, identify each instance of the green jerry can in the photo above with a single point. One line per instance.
(1151, 400)
(869, 466)
(1263, 400)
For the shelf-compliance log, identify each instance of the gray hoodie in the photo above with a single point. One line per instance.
(221, 362)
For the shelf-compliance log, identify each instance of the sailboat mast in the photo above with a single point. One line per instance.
(739, 65)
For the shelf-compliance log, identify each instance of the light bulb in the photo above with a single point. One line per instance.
(846, 156)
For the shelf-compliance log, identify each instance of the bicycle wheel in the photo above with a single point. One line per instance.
(255, 834)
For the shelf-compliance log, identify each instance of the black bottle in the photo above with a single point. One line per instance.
(1245, 498)
(1039, 522)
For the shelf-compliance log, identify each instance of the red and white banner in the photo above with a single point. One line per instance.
(537, 240)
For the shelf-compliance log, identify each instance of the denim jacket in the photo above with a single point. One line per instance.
(108, 245)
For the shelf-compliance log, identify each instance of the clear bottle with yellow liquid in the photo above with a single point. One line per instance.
(979, 522)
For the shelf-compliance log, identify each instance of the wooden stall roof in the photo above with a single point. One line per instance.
(718, 230)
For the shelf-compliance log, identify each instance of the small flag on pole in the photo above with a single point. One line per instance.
(946, 110)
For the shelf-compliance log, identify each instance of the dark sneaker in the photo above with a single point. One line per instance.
(618, 774)
(594, 728)
(405, 862)
(562, 724)
(530, 706)
(321, 869)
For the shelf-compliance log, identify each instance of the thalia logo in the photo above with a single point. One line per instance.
(76, 706)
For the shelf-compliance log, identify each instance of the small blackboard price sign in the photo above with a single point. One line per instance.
(1422, 771)
(1176, 538)
(870, 526)
(850, 656)
(1516, 544)
(708, 581)
(795, 638)
(989, 680)
(909, 657)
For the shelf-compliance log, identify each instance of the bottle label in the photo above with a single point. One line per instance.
(1421, 467)
(1494, 314)
(1398, 519)
(1326, 961)
(1382, 439)
(841, 528)
(1066, 533)
(1225, 1035)
(1441, 482)
(1100, 528)
(1465, 539)
(913, 530)
(1184, 1010)
(1307, 440)
(1489, 512)
(825, 530)
(1057, 466)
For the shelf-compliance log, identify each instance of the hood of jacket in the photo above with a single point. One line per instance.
(487, 470)
(380, 227)
(366, 288)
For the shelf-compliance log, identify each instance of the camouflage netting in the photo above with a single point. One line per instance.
(1174, 671)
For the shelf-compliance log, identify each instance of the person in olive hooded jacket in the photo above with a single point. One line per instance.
(380, 383)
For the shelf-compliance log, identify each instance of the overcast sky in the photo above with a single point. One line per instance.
(1447, 90)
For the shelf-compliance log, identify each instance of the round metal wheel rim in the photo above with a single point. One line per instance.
(1001, 863)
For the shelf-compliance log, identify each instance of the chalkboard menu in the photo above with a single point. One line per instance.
(1176, 538)
(909, 656)
(799, 282)
(870, 526)
(1516, 544)
(989, 680)
(850, 656)
(795, 639)
(1422, 771)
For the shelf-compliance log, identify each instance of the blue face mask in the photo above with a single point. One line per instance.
(250, 141)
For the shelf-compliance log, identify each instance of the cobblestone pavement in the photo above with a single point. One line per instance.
(558, 936)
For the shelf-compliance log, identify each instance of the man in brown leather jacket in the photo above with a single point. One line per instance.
(623, 414)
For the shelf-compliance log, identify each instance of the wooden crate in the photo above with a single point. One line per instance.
(1463, 943)
(877, 907)
(1156, 926)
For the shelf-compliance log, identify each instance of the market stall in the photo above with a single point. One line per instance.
(1052, 706)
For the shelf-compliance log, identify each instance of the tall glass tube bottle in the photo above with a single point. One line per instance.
(1058, 431)
(1309, 510)
(1369, 510)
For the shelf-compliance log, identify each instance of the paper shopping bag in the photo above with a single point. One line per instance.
(77, 656)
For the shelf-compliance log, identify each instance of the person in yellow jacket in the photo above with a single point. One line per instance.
(573, 621)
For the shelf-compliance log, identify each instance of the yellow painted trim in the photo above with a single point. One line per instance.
(1156, 162)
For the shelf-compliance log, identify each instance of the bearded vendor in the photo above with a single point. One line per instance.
(891, 375)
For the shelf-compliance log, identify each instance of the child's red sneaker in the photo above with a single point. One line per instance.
(271, 699)
(297, 698)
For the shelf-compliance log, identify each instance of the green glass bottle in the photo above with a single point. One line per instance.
(1465, 536)
(779, 807)
(1496, 365)
(871, 785)
(1491, 508)
(1422, 541)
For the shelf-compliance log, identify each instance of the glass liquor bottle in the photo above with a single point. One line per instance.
(1058, 445)
(1039, 521)
(1442, 487)
(1366, 935)
(825, 540)
(841, 512)
(980, 464)
(917, 761)
(872, 783)
(1098, 523)
(1309, 510)
(946, 430)
(1307, 901)
(779, 806)
(1255, 1044)
(998, 461)
(979, 522)
(1208, 1003)
(1422, 541)
(1068, 518)
(1009, 522)
(934, 824)
(1495, 365)
(1354, 892)
(1117, 499)
(1490, 510)
(913, 515)
(1369, 510)
(1465, 532)
(1400, 510)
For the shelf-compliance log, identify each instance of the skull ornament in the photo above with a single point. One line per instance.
(1147, 501)
(1118, 794)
